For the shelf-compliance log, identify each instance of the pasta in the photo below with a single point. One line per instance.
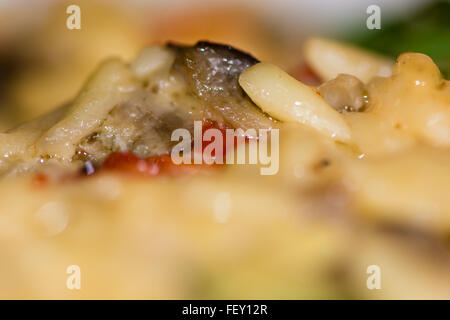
(329, 58)
(286, 99)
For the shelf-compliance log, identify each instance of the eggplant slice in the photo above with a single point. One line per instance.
(202, 84)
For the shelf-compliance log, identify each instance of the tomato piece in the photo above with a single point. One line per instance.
(127, 162)
(39, 181)
(130, 163)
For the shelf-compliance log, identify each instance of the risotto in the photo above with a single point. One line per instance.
(364, 179)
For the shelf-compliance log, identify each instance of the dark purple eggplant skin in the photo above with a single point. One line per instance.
(211, 71)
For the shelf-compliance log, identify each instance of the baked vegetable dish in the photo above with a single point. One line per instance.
(363, 179)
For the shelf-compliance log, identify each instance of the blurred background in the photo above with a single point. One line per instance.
(43, 64)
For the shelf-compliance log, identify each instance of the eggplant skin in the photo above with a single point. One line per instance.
(211, 72)
(213, 69)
